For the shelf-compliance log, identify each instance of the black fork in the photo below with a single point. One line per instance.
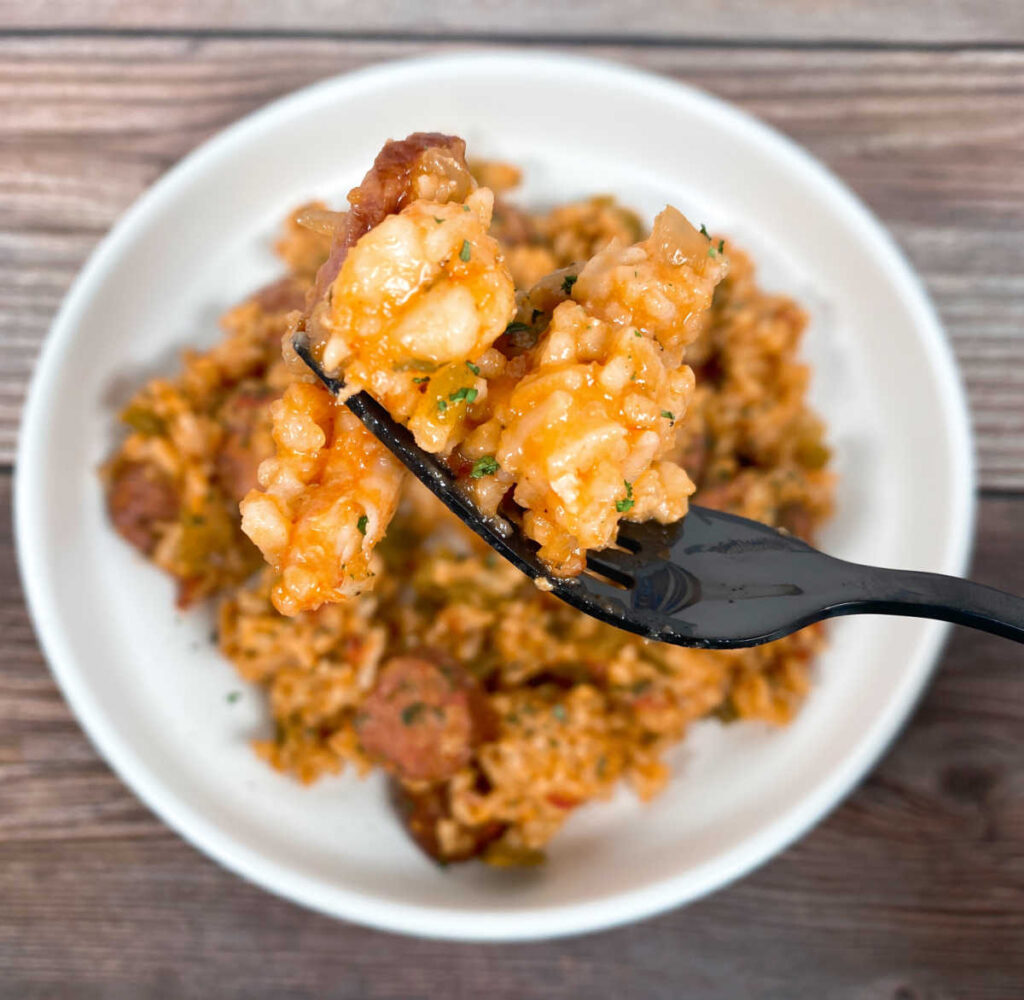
(711, 580)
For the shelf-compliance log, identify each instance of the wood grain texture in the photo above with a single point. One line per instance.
(913, 889)
(881, 21)
(933, 141)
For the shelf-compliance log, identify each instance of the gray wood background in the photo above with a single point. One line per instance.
(914, 888)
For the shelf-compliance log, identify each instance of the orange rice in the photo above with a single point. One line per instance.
(564, 707)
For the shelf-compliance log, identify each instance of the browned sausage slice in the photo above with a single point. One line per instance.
(386, 188)
(424, 811)
(248, 440)
(140, 499)
(423, 718)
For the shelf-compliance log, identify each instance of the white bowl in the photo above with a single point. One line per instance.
(151, 691)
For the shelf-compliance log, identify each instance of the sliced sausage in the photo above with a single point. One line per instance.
(386, 189)
(245, 417)
(511, 225)
(423, 718)
(423, 811)
(141, 499)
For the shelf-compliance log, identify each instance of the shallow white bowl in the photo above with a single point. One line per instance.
(151, 691)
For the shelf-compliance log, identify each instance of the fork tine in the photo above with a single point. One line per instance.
(647, 537)
(615, 564)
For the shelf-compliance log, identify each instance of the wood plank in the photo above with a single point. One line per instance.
(954, 21)
(913, 888)
(933, 141)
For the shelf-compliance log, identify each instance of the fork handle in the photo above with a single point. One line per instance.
(872, 590)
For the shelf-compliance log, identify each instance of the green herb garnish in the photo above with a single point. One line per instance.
(487, 465)
(516, 327)
(465, 251)
(442, 405)
(464, 394)
(568, 281)
(361, 524)
(560, 713)
(420, 381)
(233, 697)
(438, 221)
(623, 505)
(668, 415)
(704, 231)
(473, 368)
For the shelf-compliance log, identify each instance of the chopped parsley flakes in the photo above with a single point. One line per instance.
(233, 697)
(473, 368)
(568, 281)
(442, 405)
(704, 231)
(464, 393)
(668, 414)
(361, 524)
(420, 381)
(487, 465)
(627, 504)
(465, 251)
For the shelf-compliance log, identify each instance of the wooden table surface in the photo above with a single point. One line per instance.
(912, 889)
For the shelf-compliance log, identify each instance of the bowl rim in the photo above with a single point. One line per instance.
(487, 924)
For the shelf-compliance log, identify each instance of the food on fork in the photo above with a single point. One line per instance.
(328, 495)
(565, 399)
